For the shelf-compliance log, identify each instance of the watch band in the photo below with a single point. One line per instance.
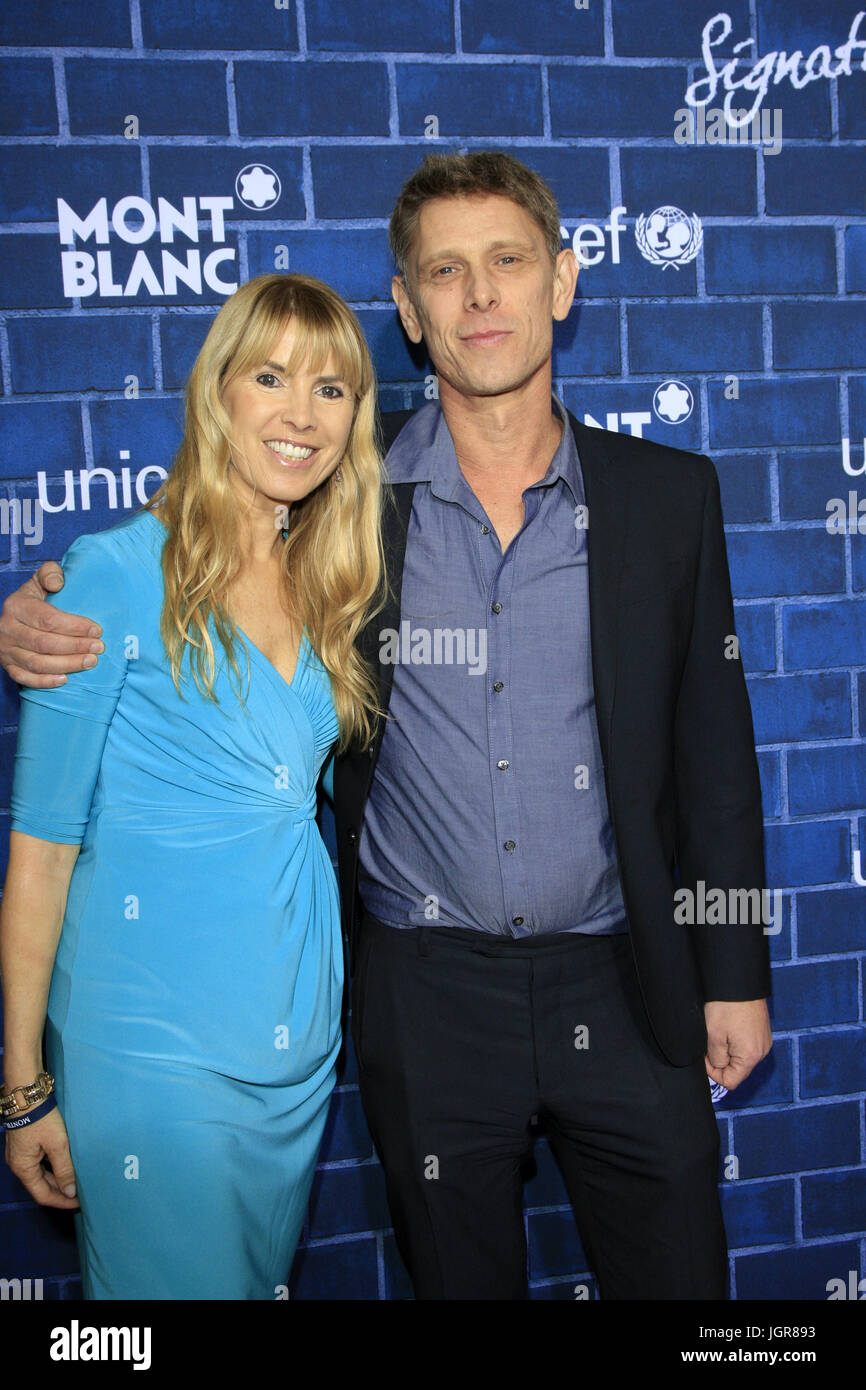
(40, 1089)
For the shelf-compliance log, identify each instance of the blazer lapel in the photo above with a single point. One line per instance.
(395, 524)
(607, 500)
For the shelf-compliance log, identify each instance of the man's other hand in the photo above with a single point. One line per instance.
(39, 642)
(738, 1038)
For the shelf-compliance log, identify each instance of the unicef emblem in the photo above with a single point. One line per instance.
(673, 402)
(669, 236)
(258, 187)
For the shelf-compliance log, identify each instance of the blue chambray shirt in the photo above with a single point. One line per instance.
(488, 807)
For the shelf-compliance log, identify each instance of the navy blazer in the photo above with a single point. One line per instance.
(673, 714)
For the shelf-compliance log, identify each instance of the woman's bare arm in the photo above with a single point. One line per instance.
(31, 918)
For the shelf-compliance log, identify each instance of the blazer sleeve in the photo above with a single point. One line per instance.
(62, 732)
(720, 834)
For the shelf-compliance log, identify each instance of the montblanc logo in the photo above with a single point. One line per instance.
(258, 187)
(180, 248)
(669, 236)
(673, 402)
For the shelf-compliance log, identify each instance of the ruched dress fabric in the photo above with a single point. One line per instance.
(194, 1012)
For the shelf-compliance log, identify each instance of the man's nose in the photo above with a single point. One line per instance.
(481, 289)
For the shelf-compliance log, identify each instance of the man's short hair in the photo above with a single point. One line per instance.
(475, 174)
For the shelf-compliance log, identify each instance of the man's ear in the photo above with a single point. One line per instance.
(565, 274)
(402, 299)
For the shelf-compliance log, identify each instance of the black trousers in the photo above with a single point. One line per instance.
(461, 1038)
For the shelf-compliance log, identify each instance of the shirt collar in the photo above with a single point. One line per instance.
(424, 453)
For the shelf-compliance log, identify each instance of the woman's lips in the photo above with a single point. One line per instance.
(292, 455)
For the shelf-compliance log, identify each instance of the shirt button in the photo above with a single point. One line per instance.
(485, 530)
(518, 921)
(502, 764)
(497, 607)
(497, 686)
(510, 845)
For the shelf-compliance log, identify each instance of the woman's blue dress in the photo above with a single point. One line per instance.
(194, 1013)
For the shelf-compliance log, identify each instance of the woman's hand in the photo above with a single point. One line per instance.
(25, 1150)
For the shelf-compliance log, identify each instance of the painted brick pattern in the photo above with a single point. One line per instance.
(141, 100)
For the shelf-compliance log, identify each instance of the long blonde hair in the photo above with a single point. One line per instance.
(332, 562)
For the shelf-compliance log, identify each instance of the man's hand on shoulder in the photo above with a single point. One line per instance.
(39, 642)
(738, 1038)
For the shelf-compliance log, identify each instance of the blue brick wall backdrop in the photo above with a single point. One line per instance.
(142, 113)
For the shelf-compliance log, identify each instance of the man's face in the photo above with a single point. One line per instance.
(483, 293)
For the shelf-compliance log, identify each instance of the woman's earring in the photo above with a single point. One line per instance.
(338, 474)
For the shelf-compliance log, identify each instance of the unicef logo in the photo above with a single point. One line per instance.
(258, 187)
(669, 236)
(673, 402)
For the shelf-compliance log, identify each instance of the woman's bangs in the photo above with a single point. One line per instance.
(322, 332)
(322, 336)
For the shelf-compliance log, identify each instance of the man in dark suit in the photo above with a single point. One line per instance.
(567, 730)
(515, 832)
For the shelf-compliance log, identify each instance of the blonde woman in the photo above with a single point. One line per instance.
(169, 901)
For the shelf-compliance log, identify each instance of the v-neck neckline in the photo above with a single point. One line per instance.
(289, 685)
(267, 660)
